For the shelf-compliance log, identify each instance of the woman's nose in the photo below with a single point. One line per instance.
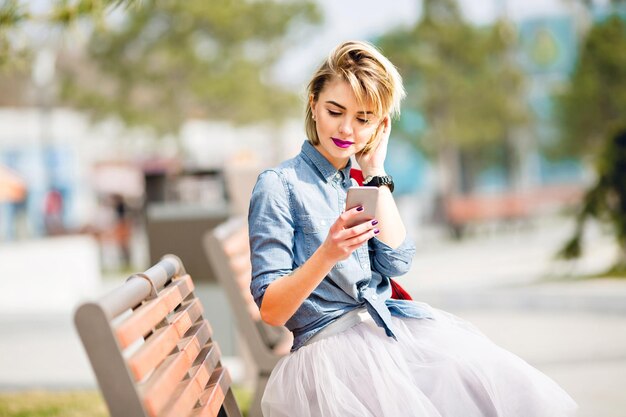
(345, 128)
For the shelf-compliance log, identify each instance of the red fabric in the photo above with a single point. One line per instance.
(397, 292)
(357, 175)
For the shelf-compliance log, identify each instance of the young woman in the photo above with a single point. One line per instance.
(357, 351)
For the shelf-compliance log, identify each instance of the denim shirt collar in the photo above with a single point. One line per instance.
(325, 168)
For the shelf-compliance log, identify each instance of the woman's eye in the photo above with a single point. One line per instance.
(363, 121)
(333, 113)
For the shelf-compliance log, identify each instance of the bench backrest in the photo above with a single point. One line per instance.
(229, 252)
(151, 348)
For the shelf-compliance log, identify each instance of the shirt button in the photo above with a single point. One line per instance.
(323, 222)
(374, 297)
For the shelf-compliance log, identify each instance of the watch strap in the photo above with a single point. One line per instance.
(379, 180)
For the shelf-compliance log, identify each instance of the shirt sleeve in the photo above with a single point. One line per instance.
(391, 262)
(271, 229)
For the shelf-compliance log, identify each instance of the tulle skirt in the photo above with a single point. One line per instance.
(441, 367)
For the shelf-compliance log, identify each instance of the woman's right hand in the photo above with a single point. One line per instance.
(342, 240)
(285, 295)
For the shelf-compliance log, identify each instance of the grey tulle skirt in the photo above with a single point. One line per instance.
(441, 367)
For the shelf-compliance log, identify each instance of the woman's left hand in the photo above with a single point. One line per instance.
(373, 162)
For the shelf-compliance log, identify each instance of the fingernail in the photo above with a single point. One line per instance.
(374, 222)
(360, 208)
(376, 231)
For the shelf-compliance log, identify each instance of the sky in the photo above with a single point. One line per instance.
(364, 19)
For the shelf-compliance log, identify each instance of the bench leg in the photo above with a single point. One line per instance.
(255, 407)
(230, 407)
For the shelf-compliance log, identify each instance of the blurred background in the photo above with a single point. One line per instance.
(130, 128)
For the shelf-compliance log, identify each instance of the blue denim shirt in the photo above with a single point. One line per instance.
(291, 211)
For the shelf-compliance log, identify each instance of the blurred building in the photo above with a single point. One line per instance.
(56, 152)
(83, 162)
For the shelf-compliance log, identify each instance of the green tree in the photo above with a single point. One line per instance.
(464, 82)
(16, 15)
(596, 96)
(170, 60)
(590, 109)
(605, 200)
(590, 3)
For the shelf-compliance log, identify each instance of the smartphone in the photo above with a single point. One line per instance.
(362, 196)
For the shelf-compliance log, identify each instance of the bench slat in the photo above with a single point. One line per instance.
(212, 398)
(187, 316)
(187, 393)
(158, 388)
(237, 242)
(160, 344)
(240, 263)
(147, 316)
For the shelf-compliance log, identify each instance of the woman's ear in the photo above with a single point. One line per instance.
(312, 103)
(385, 122)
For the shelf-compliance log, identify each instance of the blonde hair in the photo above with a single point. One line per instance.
(372, 77)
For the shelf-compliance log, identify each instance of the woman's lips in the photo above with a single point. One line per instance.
(342, 143)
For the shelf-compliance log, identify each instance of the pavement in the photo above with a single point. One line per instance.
(511, 286)
(505, 282)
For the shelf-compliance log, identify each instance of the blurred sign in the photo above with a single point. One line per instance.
(548, 45)
(118, 178)
(12, 187)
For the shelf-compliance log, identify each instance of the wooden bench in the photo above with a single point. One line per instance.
(151, 348)
(228, 250)
(512, 205)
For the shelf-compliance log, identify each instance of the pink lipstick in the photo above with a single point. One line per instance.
(342, 143)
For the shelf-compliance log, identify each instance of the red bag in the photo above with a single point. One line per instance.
(397, 292)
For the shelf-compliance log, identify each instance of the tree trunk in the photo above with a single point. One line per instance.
(447, 182)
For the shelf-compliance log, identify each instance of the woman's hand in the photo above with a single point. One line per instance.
(285, 295)
(373, 162)
(342, 241)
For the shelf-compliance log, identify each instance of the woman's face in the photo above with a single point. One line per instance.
(343, 127)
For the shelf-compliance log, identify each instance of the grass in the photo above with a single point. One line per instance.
(71, 404)
(52, 404)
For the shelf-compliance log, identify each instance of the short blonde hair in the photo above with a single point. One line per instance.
(372, 77)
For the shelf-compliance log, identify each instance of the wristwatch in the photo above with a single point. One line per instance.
(378, 181)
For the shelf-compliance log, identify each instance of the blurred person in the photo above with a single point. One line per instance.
(122, 228)
(357, 350)
(18, 226)
(53, 212)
